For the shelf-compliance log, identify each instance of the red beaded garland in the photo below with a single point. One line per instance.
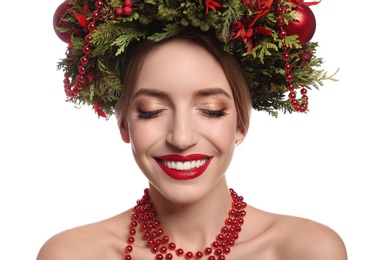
(73, 89)
(160, 245)
(302, 105)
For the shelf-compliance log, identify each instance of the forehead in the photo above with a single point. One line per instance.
(182, 67)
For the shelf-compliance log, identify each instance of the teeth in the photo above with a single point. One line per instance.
(184, 165)
(180, 166)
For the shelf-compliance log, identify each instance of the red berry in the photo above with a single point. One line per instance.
(88, 38)
(128, 3)
(290, 87)
(279, 10)
(79, 86)
(280, 22)
(119, 11)
(127, 10)
(168, 256)
(303, 107)
(289, 78)
(95, 15)
(86, 49)
(82, 70)
(282, 34)
(286, 56)
(287, 67)
(92, 26)
(99, 4)
(305, 56)
(84, 60)
(292, 96)
(188, 255)
(81, 79)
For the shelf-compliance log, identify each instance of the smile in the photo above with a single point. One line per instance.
(181, 167)
(184, 165)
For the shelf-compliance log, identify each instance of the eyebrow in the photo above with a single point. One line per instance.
(199, 93)
(150, 92)
(210, 92)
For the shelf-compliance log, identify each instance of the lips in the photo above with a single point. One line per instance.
(181, 167)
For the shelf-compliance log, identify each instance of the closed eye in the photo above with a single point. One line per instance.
(149, 114)
(213, 113)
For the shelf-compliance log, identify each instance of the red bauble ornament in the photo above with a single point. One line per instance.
(305, 26)
(57, 22)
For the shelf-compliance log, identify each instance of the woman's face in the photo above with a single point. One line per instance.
(181, 121)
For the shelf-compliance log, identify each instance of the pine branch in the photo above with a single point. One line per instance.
(168, 31)
(262, 50)
(107, 36)
(124, 40)
(166, 14)
(232, 13)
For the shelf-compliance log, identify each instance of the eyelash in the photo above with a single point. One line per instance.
(213, 113)
(149, 114)
(206, 112)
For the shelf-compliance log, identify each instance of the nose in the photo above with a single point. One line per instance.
(182, 131)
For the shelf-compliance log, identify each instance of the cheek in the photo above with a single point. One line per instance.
(143, 135)
(223, 133)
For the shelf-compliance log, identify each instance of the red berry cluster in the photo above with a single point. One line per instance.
(126, 10)
(306, 57)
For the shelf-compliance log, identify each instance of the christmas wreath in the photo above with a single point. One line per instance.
(271, 39)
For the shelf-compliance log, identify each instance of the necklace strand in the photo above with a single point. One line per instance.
(144, 215)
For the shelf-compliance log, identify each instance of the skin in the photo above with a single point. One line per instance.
(168, 115)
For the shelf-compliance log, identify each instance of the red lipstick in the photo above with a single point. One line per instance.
(188, 174)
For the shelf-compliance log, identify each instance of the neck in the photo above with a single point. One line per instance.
(200, 219)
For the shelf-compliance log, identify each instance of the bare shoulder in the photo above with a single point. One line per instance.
(100, 240)
(302, 238)
(273, 237)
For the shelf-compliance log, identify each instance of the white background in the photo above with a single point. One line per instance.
(61, 167)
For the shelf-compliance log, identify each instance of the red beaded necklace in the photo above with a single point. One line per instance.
(160, 245)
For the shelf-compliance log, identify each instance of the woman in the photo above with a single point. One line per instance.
(183, 113)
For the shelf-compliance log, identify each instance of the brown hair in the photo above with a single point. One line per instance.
(135, 57)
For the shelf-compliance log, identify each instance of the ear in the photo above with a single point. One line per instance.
(239, 136)
(123, 129)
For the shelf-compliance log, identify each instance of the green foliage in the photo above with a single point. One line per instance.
(167, 14)
(233, 12)
(108, 35)
(290, 42)
(124, 40)
(116, 3)
(158, 20)
(168, 31)
(263, 49)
